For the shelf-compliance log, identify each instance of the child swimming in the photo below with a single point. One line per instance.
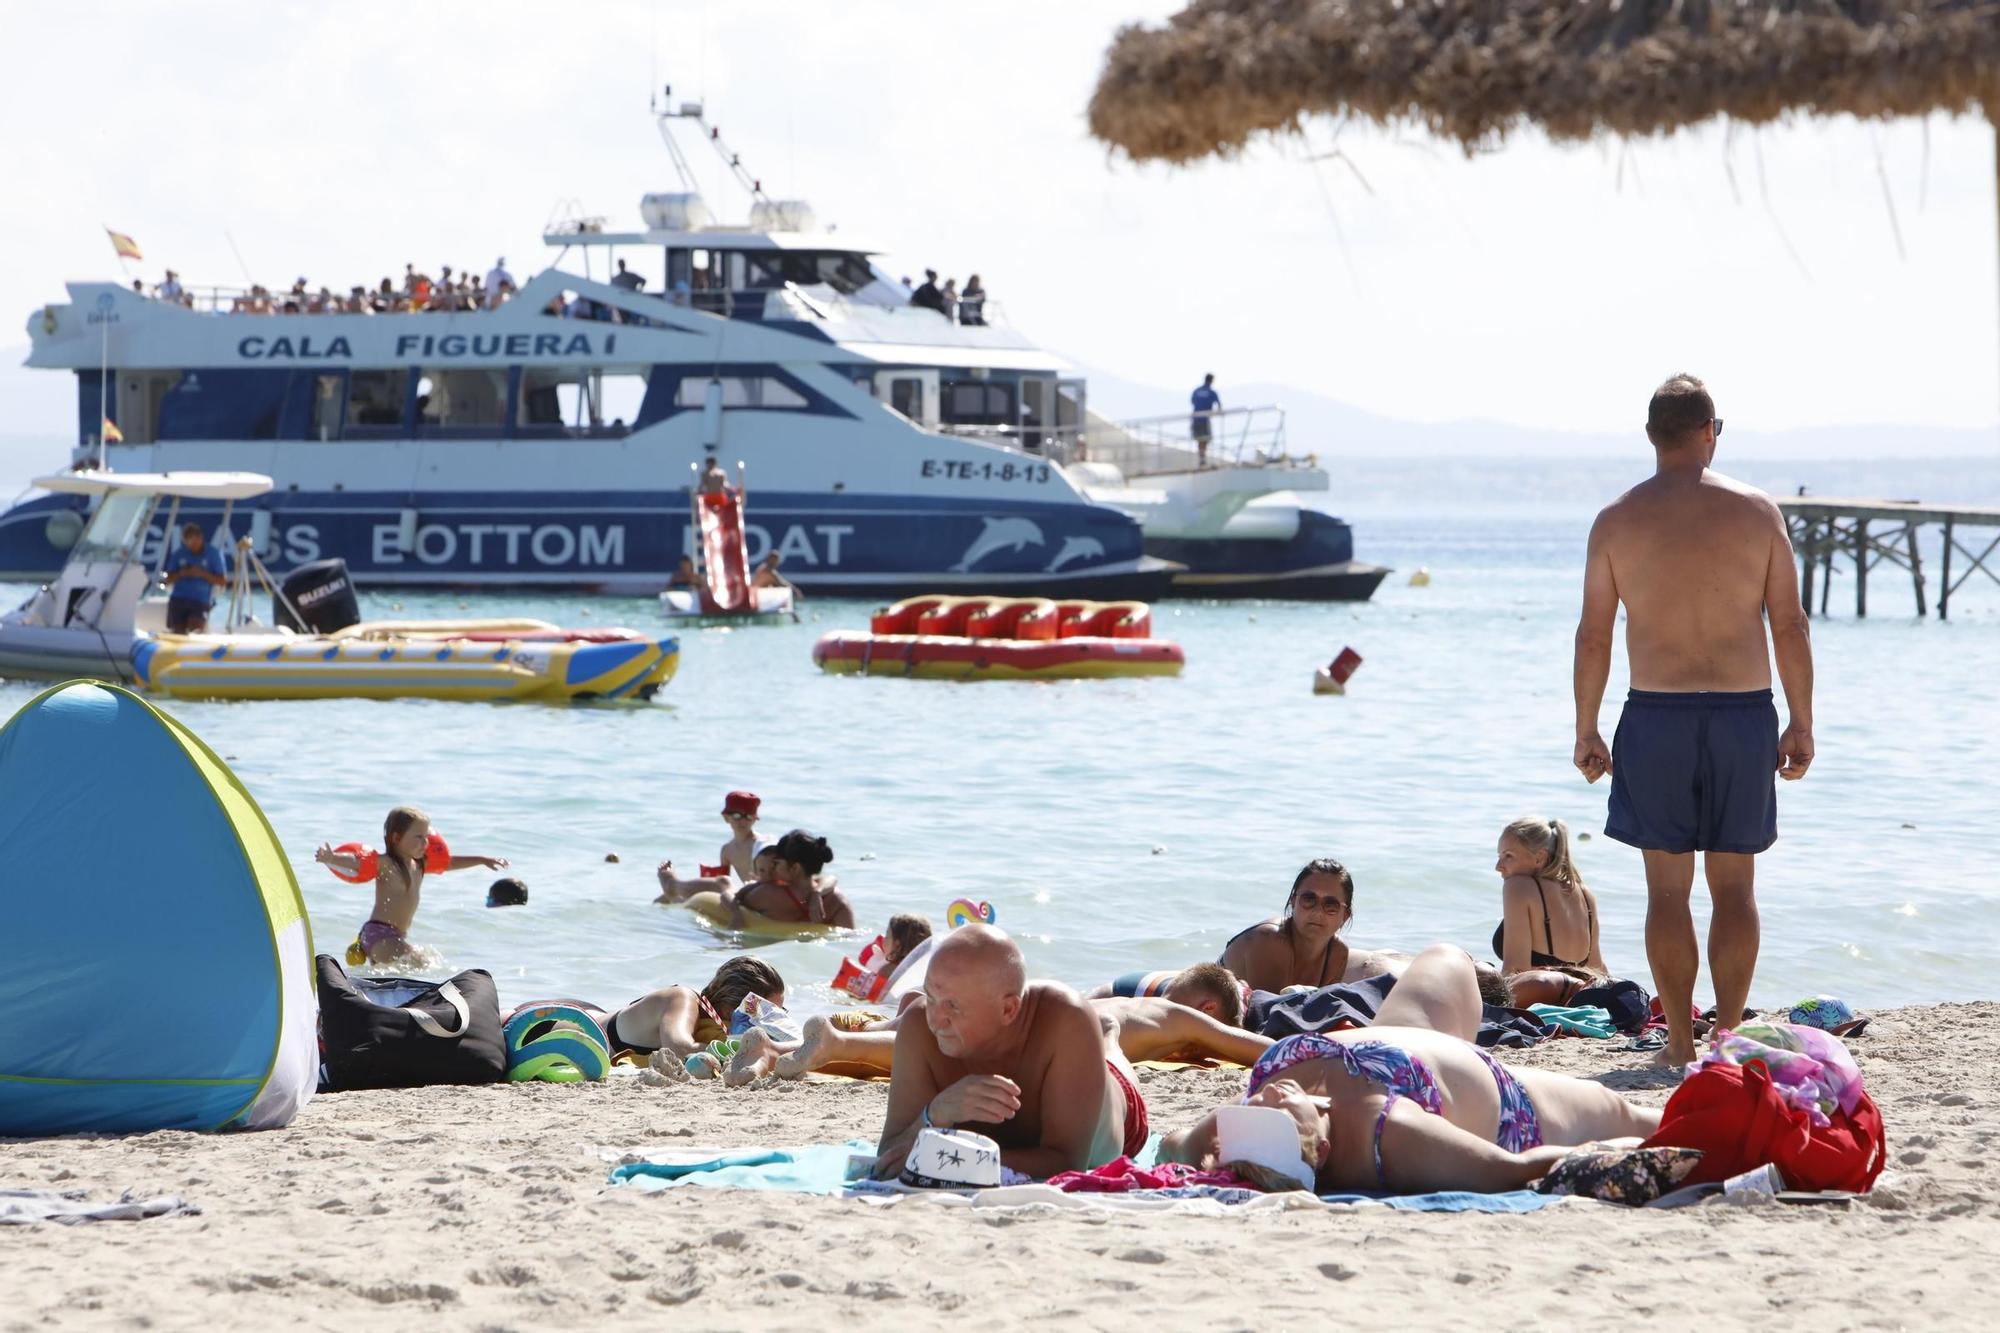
(410, 851)
(739, 811)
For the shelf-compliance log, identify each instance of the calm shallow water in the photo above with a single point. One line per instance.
(1136, 824)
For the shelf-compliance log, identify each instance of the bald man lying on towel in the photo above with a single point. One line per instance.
(1026, 1063)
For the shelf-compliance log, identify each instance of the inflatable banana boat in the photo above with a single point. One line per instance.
(1003, 638)
(469, 660)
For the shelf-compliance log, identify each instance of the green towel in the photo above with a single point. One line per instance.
(1585, 1020)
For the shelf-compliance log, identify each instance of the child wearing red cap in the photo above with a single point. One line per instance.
(739, 811)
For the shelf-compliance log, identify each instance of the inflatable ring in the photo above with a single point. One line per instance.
(965, 912)
(708, 906)
(555, 1041)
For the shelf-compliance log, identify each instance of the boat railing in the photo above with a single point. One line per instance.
(1154, 446)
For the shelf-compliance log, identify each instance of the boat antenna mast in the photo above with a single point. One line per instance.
(665, 112)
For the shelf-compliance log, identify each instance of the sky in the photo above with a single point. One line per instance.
(1822, 273)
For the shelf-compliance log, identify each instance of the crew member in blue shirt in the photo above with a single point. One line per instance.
(193, 572)
(1206, 403)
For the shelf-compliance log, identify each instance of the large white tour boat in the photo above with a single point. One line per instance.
(544, 435)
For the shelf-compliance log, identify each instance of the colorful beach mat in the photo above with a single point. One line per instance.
(824, 1169)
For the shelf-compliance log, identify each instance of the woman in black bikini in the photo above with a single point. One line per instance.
(1303, 947)
(1543, 901)
(680, 1020)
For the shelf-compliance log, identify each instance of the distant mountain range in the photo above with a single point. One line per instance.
(1315, 423)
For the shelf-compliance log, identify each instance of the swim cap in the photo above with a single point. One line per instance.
(556, 1043)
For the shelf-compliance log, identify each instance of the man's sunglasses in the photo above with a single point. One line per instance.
(1717, 423)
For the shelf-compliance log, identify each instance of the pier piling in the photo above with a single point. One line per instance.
(1823, 529)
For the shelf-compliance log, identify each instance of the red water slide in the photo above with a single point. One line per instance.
(725, 559)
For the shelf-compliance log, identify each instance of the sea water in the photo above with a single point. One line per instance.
(1127, 824)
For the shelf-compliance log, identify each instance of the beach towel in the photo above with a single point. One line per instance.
(22, 1207)
(1585, 1020)
(1354, 1005)
(825, 1169)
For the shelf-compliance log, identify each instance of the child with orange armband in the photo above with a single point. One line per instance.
(410, 852)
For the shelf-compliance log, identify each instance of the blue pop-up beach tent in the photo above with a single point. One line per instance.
(158, 969)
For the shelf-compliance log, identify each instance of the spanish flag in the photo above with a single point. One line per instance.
(126, 247)
(113, 435)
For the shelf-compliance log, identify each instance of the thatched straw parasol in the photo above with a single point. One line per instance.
(1223, 71)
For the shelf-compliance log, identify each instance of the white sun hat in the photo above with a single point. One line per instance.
(1265, 1135)
(954, 1159)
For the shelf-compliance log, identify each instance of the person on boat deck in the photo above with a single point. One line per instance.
(1549, 919)
(627, 279)
(170, 290)
(1205, 402)
(684, 574)
(410, 852)
(498, 281)
(672, 1023)
(795, 890)
(972, 302)
(948, 299)
(1027, 1063)
(713, 480)
(927, 295)
(1412, 1105)
(193, 572)
(1303, 947)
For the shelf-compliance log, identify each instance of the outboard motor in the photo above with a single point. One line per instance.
(324, 596)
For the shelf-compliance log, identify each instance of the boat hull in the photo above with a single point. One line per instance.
(630, 542)
(1316, 564)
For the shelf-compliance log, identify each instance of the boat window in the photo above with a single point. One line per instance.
(907, 396)
(375, 397)
(559, 402)
(463, 399)
(845, 273)
(328, 406)
(978, 403)
(114, 528)
(762, 391)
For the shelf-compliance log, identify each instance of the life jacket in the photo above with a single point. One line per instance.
(1736, 1117)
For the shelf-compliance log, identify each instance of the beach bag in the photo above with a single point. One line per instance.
(405, 1032)
(1734, 1114)
(1626, 1002)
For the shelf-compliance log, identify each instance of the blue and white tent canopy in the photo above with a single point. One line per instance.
(159, 961)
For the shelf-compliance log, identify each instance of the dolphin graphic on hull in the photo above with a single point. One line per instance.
(1075, 548)
(998, 535)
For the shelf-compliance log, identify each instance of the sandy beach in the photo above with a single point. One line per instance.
(488, 1208)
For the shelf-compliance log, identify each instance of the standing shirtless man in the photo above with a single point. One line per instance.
(1026, 1062)
(1699, 561)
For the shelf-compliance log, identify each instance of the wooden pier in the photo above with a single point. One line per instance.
(1869, 532)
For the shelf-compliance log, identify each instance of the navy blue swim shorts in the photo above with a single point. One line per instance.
(1695, 772)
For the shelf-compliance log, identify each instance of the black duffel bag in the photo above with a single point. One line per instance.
(404, 1032)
